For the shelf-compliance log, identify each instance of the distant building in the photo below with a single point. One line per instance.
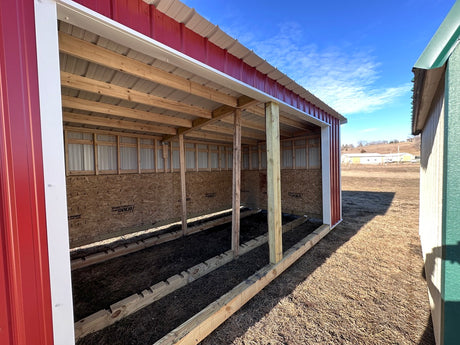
(376, 158)
(436, 115)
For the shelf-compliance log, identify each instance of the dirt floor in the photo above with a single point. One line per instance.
(362, 284)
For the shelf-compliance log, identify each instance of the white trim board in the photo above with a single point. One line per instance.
(49, 82)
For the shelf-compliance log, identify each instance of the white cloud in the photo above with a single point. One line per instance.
(367, 130)
(343, 77)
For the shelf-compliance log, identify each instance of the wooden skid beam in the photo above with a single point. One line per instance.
(115, 110)
(135, 302)
(102, 88)
(149, 242)
(114, 123)
(202, 324)
(105, 57)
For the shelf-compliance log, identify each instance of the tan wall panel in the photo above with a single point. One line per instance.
(301, 191)
(104, 206)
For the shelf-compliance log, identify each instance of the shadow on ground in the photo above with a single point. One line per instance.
(359, 207)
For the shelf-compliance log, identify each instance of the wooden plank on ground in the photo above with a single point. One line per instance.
(202, 324)
(152, 241)
(137, 301)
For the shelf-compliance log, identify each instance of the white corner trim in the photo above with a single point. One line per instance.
(325, 171)
(54, 171)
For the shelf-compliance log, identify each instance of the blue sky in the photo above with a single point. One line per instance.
(355, 55)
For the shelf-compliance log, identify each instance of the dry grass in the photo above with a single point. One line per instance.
(362, 284)
(409, 147)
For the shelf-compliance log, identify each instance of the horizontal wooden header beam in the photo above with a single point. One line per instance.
(115, 110)
(114, 123)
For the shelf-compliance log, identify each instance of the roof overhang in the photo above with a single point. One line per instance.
(78, 15)
(430, 66)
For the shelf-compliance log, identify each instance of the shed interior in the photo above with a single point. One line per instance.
(126, 117)
(122, 113)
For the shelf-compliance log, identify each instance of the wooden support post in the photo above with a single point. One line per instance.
(236, 182)
(182, 183)
(273, 182)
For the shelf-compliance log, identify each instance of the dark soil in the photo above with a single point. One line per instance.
(97, 287)
(153, 322)
(80, 253)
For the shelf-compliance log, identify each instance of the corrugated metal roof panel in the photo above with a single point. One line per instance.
(200, 25)
(221, 39)
(239, 50)
(265, 68)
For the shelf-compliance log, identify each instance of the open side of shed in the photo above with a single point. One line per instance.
(156, 116)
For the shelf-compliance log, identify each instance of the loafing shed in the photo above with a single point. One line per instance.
(120, 118)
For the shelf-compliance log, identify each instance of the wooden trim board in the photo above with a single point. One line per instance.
(137, 301)
(202, 324)
(149, 242)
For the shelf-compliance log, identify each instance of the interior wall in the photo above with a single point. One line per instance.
(301, 191)
(104, 206)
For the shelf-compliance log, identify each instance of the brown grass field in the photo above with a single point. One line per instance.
(362, 284)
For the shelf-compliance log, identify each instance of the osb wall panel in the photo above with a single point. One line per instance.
(301, 191)
(105, 206)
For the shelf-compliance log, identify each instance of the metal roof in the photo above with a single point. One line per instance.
(429, 68)
(191, 19)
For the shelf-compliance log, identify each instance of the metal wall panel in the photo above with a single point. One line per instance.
(25, 296)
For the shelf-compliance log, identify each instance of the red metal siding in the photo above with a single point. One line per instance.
(24, 274)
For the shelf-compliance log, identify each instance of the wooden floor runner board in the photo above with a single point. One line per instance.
(149, 242)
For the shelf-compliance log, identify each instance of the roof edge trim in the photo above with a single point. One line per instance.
(443, 43)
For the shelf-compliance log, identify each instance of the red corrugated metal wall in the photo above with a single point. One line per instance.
(25, 300)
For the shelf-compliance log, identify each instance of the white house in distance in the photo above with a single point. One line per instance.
(376, 158)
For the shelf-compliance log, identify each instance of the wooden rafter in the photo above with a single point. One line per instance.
(105, 57)
(115, 110)
(115, 123)
(245, 133)
(218, 137)
(217, 114)
(255, 110)
(102, 88)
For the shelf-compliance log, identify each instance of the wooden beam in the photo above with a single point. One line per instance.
(137, 301)
(114, 123)
(102, 88)
(105, 57)
(183, 191)
(217, 115)
(273, 182)
(202, 324)
(255, 110)
(236, 173)
(109, 132)
(245, 133)
(217, 138)
(115, 110)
